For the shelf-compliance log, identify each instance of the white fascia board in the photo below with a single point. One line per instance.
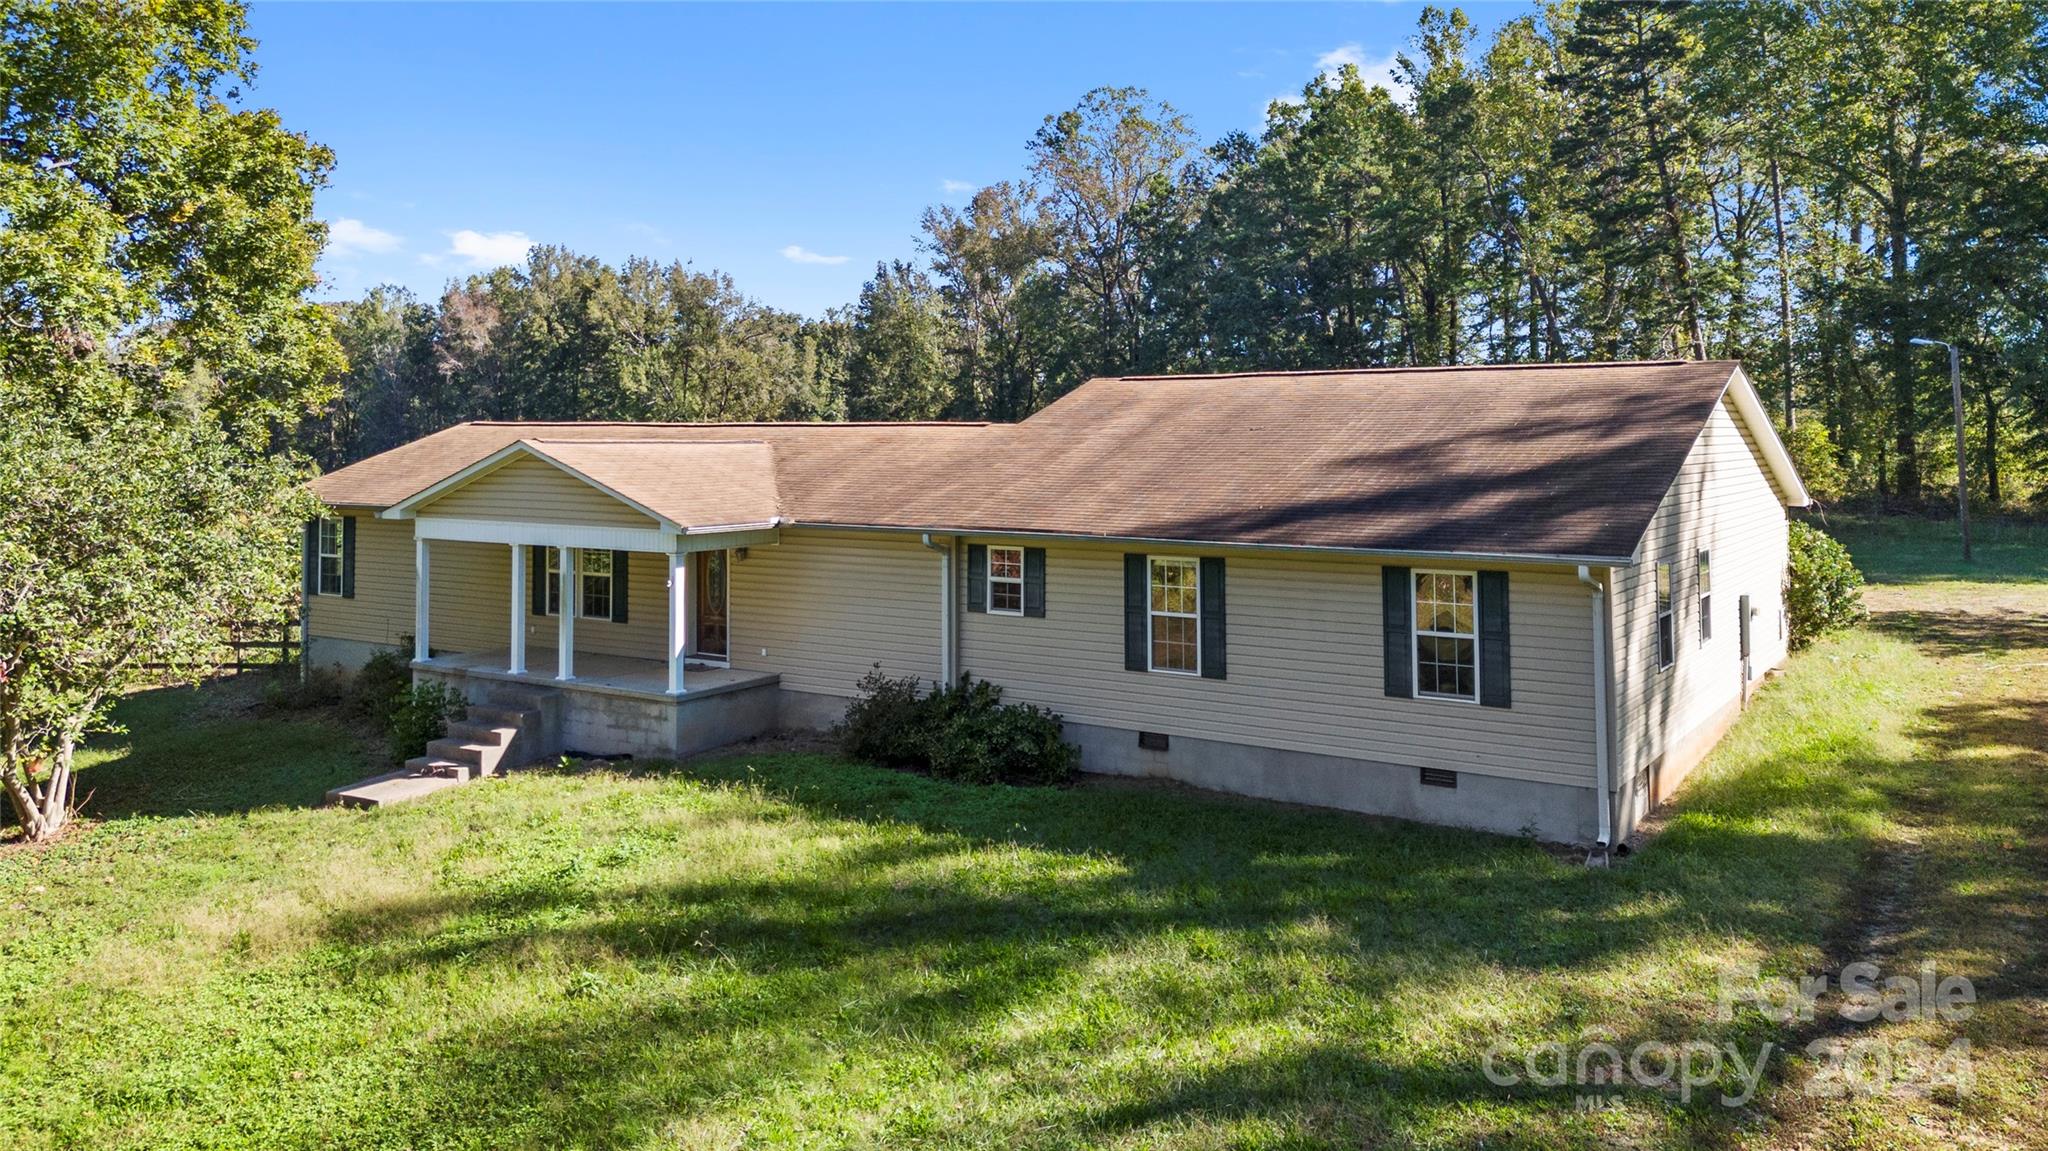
(1776, 458)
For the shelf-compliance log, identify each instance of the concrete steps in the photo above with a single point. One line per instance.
(485, 742)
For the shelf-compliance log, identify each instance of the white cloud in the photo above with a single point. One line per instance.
(488, 249)
(798, 254)
(956, 187)
(350, 237)
(1376, 71)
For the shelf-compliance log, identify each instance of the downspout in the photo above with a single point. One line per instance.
(946, 598)
(1600, 733)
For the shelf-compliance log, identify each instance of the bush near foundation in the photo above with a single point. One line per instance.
(1823, 589)
(962, 732)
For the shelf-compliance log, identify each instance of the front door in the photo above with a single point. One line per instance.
(711, 601)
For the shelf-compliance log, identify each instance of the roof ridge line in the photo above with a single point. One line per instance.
(1580, 365)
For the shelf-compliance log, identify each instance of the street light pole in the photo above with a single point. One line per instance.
(1955, 387)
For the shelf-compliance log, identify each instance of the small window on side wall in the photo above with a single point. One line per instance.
(330, 581)
(1667, 637)
(1706, 601)
(1006, 581)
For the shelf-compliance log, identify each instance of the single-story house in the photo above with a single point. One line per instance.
(1519, 598)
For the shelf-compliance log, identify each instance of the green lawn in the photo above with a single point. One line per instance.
(787, 950)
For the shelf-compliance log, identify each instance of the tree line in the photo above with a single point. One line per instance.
(1805, 186)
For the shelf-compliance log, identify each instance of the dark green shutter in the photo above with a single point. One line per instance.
(348, 557)
(1496, 677)
(1136, 583)
(310, 557)
(1034, 582)
(1396, 631)
(537, 579)
(977, 577)
(619, 566)
(1214, 659)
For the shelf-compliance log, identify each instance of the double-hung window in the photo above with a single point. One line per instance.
(1667, 636)
(1446, 635)
(1176, 615)
(594, 584)
(1706, 601)
(330, 557)
(1006, 581)
(554, 578)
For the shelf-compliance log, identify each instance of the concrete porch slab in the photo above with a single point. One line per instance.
(389, 788)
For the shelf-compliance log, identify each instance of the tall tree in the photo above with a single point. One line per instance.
(157, 242)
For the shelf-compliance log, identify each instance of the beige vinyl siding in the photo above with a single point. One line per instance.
(531, 490)
(1305, 667)
(381, 611)
(827, 606)
(1723, 501)
(644, 635)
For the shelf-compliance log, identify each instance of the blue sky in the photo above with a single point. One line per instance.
(791, 146)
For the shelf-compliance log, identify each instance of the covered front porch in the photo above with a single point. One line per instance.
(594, 579)
(617, 675)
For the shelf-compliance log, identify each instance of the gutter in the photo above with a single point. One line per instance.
(948, 625)
(1601, 772)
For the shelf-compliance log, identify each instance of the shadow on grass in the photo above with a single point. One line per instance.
(1913, 550)
(1053, 934)
(1947, 633)
(213, 750)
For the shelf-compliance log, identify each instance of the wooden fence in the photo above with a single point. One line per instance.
(254, 646)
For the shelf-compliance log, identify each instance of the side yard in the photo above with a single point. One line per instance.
(785, 949)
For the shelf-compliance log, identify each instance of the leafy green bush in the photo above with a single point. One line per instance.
(885, 723)
(421, 715)
(962, 732)
(378, 685)
(1823, 589)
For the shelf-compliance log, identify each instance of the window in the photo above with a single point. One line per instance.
(1006, 581)
(330, 557)
(554, 577)
(1176, 617)
(594, 582)
(1667, 645)
(1446, 636)
(1706, 601)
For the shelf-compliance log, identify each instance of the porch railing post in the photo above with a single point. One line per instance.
(678, 618)
(519, 596)
(565, 619)
(422, 580)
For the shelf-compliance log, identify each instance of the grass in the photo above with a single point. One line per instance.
(788, 950)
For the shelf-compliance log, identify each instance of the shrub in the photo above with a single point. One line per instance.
(1823, 589)
(377, 687)
(885, 723)
(962, 732)
(421, 716)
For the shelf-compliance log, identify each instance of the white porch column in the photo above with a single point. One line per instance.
(519, 596)
(678, 618)
(421, 581)
(565, 620)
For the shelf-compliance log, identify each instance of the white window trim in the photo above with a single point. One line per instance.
(1659, 611)
(1703, 575)
(989, 591)
(321, 555)
(1415, 634)
(1151, 615)
(551, 583)
(610, 586)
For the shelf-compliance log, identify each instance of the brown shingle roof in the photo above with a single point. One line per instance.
(1563, 461)
(694, 485)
